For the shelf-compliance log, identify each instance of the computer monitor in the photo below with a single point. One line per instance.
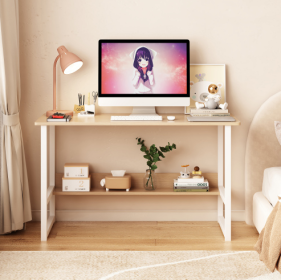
(144, 73)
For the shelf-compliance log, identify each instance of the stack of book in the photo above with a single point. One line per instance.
(191, 185)
(205, 112)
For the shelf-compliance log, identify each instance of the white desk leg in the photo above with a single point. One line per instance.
(44, 182)
(220, 172)
(52, 172)
(227, 168)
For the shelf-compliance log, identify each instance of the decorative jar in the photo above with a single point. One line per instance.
(149, 180)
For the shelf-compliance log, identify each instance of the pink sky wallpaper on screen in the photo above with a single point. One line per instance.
(169, 68)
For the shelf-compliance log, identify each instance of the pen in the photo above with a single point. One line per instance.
(80, 99)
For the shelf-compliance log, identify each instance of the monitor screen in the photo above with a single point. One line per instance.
(142, 68)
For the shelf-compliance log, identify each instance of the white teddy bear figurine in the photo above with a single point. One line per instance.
(212, 99)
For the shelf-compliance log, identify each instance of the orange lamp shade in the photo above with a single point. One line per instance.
(69, 62)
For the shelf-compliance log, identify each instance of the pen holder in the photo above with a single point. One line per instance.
(90, 108)
(78, 109)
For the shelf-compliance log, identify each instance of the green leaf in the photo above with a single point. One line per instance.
(152, 148)
(163, 149)
(153, 167)
(146, 156)
(143, 148)
(174, 146)
(156, 158)
(161, 154)
(149, 163)
(139, 139)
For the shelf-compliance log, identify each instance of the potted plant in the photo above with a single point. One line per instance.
(153, 155)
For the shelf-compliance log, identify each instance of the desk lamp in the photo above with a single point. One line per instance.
(69, 63)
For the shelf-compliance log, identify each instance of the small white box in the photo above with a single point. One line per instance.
(76, 170)
(76, 184)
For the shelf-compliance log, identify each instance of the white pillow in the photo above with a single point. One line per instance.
(271, 186)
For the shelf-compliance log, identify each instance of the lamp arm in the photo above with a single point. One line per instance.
(54, 83)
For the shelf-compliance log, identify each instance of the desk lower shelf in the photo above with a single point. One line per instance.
(165, 181)
(212, 191)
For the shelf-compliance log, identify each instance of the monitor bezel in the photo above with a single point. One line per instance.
(134, 95)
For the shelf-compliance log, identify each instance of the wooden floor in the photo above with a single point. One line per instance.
(138, 236)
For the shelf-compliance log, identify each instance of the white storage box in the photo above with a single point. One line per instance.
(76, 184)
(76, 170)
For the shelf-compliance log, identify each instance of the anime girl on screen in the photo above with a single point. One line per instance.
(143, 78)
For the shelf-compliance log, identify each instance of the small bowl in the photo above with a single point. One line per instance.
(171, 118)
(118, 173)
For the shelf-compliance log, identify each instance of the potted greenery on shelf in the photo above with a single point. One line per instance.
(153, 155)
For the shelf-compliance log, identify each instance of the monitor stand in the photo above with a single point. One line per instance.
(139, 114)
(145, 111)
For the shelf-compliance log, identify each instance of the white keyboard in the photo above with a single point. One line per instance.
(137, 118)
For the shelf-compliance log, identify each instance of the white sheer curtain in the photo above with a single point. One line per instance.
(15, 209)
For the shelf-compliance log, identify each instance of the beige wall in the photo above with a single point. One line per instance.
(243, 34)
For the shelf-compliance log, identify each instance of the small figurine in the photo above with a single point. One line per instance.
(212, 99)
(185, 174)
(196, 174)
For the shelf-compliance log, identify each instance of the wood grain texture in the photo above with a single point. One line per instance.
(165, 183)
(133, 236)
(104, 120)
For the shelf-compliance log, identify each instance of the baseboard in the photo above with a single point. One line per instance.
(139, 215)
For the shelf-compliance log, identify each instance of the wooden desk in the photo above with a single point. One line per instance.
(48, 175)
(104, 120)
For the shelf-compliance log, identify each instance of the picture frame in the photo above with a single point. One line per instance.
(214, 73)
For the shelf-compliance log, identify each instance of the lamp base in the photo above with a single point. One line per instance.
(66, 112)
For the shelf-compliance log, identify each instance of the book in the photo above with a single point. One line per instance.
(210, 114)
(208, 111)
(191, 180)
(190, 187)
(211, 119)
(205, 184)
(191, 190)
(66, 118)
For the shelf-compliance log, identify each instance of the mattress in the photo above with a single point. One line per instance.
(261, 210)
(271, 186)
